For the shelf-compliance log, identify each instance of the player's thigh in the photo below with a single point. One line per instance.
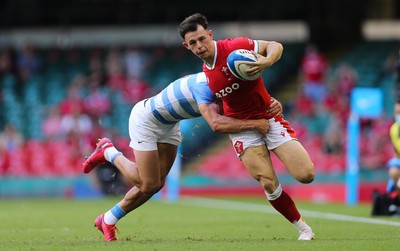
(257, 161)
(167, 154)
(148, 165)
(296, 160)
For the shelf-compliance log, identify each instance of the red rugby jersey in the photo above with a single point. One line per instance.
(241, 99)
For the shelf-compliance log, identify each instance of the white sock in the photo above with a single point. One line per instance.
(112, 216)
(109, 218)
(275, 195)
(111, 153)
(301, 225)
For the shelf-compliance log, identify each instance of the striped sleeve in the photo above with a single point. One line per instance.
(202, 92)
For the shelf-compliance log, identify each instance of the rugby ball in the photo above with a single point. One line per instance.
(237, 63)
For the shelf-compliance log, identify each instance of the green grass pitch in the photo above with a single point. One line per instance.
(191, 224)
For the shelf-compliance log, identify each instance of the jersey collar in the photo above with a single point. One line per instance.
(211, 67)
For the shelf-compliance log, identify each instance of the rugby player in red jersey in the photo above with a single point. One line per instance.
(248, 100)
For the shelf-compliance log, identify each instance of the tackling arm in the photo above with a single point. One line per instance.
(224, 124)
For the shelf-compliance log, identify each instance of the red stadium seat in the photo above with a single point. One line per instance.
(18, 164)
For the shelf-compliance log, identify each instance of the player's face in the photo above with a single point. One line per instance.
(200, 42)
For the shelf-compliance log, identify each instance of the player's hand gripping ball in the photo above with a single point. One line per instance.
(237, 63)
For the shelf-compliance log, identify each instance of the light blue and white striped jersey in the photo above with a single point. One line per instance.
(180, 99)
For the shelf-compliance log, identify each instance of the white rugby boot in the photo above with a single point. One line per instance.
(306, 234)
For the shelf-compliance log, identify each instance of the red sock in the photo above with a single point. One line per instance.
(285, 205)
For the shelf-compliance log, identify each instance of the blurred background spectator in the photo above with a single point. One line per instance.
(10, 138)
(96, 103)
(51, 126)
(29, 63)
(314, 66)
(116, 73)
(7, 62)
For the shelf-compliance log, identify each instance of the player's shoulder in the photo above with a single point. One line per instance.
(233, 43)
(232, 39)
(200, 88)
(196, 78)
(226, 42)
(201, 77)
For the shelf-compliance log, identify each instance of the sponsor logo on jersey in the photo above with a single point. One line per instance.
(227, 90)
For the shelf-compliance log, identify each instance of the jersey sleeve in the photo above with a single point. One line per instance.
(202, 93)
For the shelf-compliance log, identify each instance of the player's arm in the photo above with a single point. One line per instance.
(271, 50)
(224, 124)
(211, 112)
(268, 53)
(274, 109)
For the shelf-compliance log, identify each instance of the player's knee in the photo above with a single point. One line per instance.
(268, 184)
(307, 176)
(151, 187)
(307, 179)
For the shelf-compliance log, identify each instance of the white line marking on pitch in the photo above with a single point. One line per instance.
(251, 207)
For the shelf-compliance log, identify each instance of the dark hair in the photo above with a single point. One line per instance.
(191, 22)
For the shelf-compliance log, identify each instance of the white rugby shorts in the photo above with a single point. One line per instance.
(279, 132)
(146, 131)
